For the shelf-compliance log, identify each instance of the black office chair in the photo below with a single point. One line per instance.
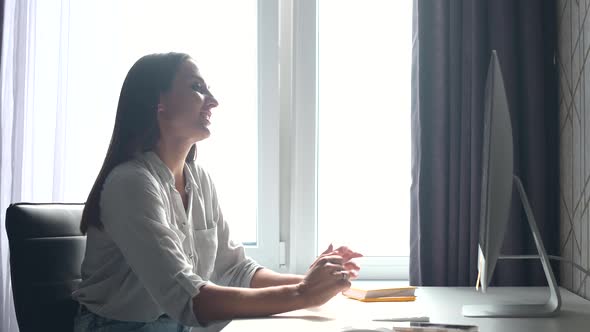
(46, 252)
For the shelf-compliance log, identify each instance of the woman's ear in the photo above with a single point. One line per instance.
(160, 107)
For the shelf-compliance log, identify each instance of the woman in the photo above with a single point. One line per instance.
(159, 256)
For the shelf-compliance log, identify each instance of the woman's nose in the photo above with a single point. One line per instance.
(211, 102)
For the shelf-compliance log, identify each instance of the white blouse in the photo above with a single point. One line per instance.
(153, 256)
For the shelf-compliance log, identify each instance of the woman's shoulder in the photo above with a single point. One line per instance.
(131, 172)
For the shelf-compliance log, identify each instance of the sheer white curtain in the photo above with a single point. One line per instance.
(32, 121)
(56, 111)
(63, 64)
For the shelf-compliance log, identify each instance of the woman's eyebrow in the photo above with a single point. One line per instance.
(195, 77)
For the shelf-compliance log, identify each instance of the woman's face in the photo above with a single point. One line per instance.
(184, 112)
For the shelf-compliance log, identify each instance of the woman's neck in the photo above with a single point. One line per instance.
(174, 154)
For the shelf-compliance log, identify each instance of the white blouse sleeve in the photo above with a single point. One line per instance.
(133, 214)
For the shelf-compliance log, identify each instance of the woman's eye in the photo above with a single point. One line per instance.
(198, 87)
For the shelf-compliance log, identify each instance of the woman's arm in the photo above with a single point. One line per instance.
(222, 303)
(326, 279)
(267, 278)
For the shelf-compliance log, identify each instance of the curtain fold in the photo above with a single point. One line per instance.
(452, 45)
(61, 74)
(8, 40)
(34, 71)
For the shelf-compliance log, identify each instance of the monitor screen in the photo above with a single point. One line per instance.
(496, 199)
(497, 172)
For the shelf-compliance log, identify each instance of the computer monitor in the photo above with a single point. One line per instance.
(496, 197)
(496, 175)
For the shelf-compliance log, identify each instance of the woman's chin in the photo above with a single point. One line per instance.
(203, 133)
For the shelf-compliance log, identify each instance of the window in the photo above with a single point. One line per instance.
(204, 30)
(352, 144)
(364, 124)
(234, 56)
(310, 143)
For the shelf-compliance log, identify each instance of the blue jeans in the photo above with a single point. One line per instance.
(87, 321)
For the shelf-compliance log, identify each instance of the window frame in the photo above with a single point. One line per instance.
(268, 192)
(304, 237)
(288, 126)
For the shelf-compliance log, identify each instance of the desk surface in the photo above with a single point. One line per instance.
(441, 304)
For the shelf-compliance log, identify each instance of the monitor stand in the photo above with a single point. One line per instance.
(553, 304)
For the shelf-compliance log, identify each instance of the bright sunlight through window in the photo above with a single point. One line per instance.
(364, 73)
(221, 36)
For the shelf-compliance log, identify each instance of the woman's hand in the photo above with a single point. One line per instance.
(347, 254)
(326, 277)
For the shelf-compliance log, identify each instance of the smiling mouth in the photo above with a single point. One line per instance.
(206, 116)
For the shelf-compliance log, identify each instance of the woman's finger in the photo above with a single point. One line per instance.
(329, 250)
(344, 250)
(342, 275)
(333, 268)
(353, 274)
(351, 266)
(347, 253)
(356, 254)
(334, 259)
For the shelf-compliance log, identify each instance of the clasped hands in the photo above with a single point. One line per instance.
(329, 274)
(340, 260)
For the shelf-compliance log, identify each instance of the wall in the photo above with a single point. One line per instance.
(574, 108)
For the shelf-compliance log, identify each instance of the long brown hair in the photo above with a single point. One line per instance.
(136, 125)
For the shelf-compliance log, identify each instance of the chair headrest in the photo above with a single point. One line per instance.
(39, 220)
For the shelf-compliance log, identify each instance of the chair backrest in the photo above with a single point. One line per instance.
(46, 253)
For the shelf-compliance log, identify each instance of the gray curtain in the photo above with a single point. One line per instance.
(453, 40)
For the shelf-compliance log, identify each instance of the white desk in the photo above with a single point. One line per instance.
(441, 304)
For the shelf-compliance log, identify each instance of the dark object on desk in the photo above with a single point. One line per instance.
(46, 253)
(443, 327)
(433, 327)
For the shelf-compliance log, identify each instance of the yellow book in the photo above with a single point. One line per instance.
(398, 294)
(386, 299)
